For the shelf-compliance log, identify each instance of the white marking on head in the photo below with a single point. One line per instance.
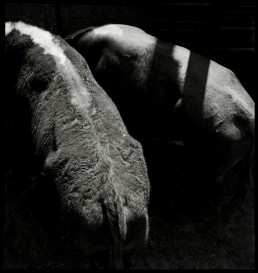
(44, 39)
(108, 29)
(8, 28)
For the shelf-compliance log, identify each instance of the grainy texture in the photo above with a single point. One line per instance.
(167, 90)
(223, 31)
(179, 237)
(79, 142)
(182, 234)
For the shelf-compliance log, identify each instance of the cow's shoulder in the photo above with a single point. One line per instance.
(124, 36)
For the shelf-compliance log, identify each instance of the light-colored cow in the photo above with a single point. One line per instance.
(80, 142)
(167, 87)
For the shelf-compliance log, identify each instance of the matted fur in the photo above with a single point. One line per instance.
(81, 141)
(170, 89)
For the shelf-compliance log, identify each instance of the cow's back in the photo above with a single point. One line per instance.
(79, 138)
(155, 76)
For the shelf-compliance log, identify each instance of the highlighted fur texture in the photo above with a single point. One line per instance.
(169, 89)
(80, 141)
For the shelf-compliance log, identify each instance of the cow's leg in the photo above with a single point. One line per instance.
(128, 259)
(216, 161)
(118, 254)
(217, 191)
(211, 189)
(245, 178)
(226, 156)
(215, 179)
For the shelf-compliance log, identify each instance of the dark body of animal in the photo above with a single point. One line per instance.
(174, 91)
(80, 142)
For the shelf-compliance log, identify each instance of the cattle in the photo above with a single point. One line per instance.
(80, 142)
(172, 90)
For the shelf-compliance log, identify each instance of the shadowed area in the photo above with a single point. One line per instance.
(181, 237)
(196, 77)
(184, 234)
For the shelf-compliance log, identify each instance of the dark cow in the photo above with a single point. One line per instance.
(168, 87)
(80, 142)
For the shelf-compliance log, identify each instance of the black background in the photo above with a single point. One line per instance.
(183, 234)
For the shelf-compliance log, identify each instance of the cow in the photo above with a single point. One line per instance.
(177, 92)
(80, 142)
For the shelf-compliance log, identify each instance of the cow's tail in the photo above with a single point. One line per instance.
(71, 38)
(245, 179)
(117, 222)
